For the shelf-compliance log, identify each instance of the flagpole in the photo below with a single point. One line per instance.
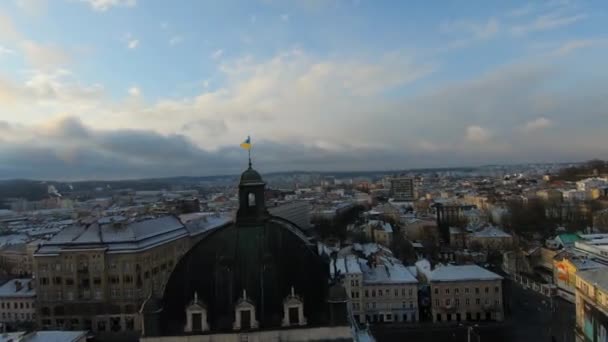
(249, 150)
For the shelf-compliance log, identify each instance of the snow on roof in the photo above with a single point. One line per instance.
(52, 336)
(423, 267)
(370, 248)
(388, 271)
(9, 289)
(598, 277)
(491, 231)
(462, 273)
(129, 236)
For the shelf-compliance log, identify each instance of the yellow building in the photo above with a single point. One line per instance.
(466, 293)
(95, 275)
(592, 305)
(565, 267)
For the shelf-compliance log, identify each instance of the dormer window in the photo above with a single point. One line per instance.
(196, 316)
(293, 310)
(244, 313)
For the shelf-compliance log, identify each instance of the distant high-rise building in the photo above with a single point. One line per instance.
(402, 189)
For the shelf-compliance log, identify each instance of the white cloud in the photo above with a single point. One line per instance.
(577, 44)
(475, 30)
(477, 134)
(34, 7)
(44, 56)
(547, 22)
(537, 124)
(104, 5)
(284, 17)
(134, 91)
(176, 40)
(6, 51)
(217, 54)
(133, 44)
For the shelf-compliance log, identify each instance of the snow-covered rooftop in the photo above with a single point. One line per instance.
(491, 231)
(462, 273)
(9, 289)
(121, 236)
(387, 271)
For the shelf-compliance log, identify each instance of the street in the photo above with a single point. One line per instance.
(530, 319)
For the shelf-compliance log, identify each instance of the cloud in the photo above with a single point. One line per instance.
(537, 124)
(217, 54)
(477, 134)
(104, 5)
(547, 22)
(475, 30)
(6, 51)
(133, 44)
(306, 111)
(134, 91)
(44, 56)
(33, 7)
(8, 31)
(176, 40)
(572, 45)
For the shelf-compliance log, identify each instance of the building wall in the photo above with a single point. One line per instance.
(591, 311)
(100, 291)
(17, 309)
(390, 303)
(305, 334)
(467, 300)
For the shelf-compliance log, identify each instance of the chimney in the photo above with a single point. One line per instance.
(18, 286)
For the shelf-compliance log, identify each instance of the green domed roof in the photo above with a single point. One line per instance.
(251, 176)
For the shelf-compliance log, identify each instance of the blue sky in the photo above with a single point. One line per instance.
(319, 84)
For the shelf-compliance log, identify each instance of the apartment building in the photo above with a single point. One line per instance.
(95, 275)
(17, 301)
(591, 305)
(466, 293)
(381, 289)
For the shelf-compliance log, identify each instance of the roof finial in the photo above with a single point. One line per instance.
(292, 292)
(195, 297)
(244, 294)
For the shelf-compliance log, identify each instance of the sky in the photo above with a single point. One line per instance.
(114, 89)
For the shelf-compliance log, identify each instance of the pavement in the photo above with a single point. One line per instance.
(530, 317)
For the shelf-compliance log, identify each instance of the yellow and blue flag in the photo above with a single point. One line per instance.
(246, 144)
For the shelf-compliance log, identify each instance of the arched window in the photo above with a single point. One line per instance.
(251, 199)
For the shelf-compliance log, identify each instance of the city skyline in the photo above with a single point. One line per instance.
(111, 89)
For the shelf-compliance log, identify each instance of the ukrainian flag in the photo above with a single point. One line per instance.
(246, 144)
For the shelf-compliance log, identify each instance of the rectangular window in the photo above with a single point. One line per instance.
(457, 290)
(436, 302)
(366, 293)
(396, 293)
(411, 292)
(477, 301)
(436, 291)
(69, 281)
(403, 292)
(97, 281)
(487, 290)
(447, 302)
(447, 291)
(457, 302)
(373, 293)
(466, 290)
(496, 289)
(477, 290)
